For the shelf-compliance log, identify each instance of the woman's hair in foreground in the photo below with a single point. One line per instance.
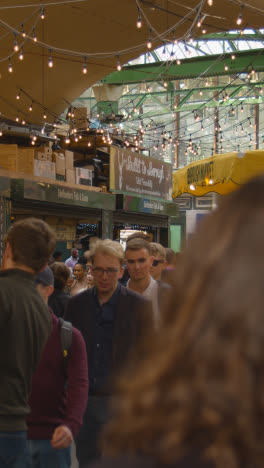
(199, 384)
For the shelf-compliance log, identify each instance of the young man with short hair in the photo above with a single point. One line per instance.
(59, 392)
(25, 325)
(112, 319)
(139, 261)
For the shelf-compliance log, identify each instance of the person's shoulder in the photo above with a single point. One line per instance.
(126, 292)
(81, 296)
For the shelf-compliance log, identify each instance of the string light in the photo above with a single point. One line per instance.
(239, 18)
(21, 54)
(149, 43)
(44, 115)
(18, 96)
(67, 140)
(35, 39)
(233, 57)
(50, 61)
(84, 70)
(139, 20)
(30, 107)
(23, 32)
(17, 118)
(10, 68)
(23, 122)
(42, 14)
(118, 64)
(16, 46)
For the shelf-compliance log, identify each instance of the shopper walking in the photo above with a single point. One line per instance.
(112, 319)
(59, 391)
(25, 325)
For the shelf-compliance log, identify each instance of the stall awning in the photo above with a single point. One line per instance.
(221, 173)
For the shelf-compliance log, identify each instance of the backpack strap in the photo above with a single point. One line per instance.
(66, 340)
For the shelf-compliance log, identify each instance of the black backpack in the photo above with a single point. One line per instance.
(66, 340)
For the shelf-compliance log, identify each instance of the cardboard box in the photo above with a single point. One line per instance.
(25, 160)
(40, 156)
(45, 169)
(8, 157)
(80, 118)
(59, 160)
(83, 176)
(68, 159)
(70, 176)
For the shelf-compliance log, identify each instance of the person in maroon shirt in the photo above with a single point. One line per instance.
(57, 400)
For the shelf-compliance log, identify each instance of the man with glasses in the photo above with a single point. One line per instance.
(112, 319)
(159, 261)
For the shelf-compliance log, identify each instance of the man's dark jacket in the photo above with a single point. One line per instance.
(25, 325)
(132, 318)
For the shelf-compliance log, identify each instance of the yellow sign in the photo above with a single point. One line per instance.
(221, 173)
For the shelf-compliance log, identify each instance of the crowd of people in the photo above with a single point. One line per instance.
(144, 357)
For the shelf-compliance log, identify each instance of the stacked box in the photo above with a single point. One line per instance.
(84, 176)
(8, 157)
(44, 169)
(59, 160)
(43, 153)
(80, 118)
(25, 160)
(70, 176)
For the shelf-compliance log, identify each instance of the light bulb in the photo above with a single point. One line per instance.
(233, 57)
(239, 20)
(210, 2)
(21, 54)
(35, 39)
(44, 115)
(84, 70)
(18, 96)
(118, 65)
(50, 61)
(16, 46)
(23, 122)
(17, 119)
(10, 68)
(1, 132)
(226, 67)
(139, 22)
(67, 140)
(42, 14)
(149, 43)
(23, 32)
(30, 108)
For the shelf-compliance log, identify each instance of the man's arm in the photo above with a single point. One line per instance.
(77, 393)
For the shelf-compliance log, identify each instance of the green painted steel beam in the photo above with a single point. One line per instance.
(180, 92)
(257, 36)
(213, 65)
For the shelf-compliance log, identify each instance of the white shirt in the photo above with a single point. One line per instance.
(151, 293)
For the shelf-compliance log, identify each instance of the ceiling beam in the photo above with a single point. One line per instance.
(213, 65)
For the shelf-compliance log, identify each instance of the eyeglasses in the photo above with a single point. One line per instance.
(156, 262)
(108, 271)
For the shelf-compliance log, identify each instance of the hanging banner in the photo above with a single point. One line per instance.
(221, 173)
(133, 173)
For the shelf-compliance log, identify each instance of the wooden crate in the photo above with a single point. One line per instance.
(25, 160)
(8, 157)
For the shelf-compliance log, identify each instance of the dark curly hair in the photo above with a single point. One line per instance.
(199, 383)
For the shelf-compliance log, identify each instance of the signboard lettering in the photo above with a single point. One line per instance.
(131, 172)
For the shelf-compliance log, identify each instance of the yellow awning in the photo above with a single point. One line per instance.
(221, 173)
